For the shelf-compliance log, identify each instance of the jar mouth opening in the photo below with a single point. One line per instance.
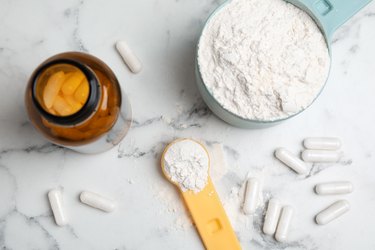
(88, 107)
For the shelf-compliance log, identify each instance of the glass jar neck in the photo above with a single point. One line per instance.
(88, 108)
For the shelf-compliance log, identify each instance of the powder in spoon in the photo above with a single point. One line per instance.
(263, 59)
(186, 163)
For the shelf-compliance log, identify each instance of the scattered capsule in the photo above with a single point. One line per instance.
(55, 200)
(97, 201)
(284, 224)
(332, 212)
(52, 88)
(272, 216)
(291, 161)
(251, 196)
(310, 155)
(323, 143)
(339, 187)
(129, 57)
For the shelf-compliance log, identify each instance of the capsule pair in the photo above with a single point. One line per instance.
(277, 220)
(321, 149)
(94, 200)
(339, 207)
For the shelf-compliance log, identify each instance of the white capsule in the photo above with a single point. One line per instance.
(291, 161)
(56, 202)
(272, 216)
(332, 212)
(284, 224)
(338, 187)
(129, 57)
(310, 155)
(251, 196)
(97, 201)
(323, 143)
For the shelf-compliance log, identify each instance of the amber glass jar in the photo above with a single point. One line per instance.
(74, 100)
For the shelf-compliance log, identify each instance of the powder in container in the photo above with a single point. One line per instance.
(263, 59)
(186, 163)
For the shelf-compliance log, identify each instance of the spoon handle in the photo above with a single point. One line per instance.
(210, 219)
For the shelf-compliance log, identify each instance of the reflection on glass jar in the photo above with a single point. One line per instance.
(74, 100)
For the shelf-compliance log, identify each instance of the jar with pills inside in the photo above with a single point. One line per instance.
(74, 100)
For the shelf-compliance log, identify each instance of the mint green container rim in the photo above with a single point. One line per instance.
(329, 15)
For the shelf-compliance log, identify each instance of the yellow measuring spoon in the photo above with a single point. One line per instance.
(205, 207)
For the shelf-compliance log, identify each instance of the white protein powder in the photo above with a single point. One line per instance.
(186, 163)
(263, 59)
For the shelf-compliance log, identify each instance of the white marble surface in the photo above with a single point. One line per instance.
(166, 106)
